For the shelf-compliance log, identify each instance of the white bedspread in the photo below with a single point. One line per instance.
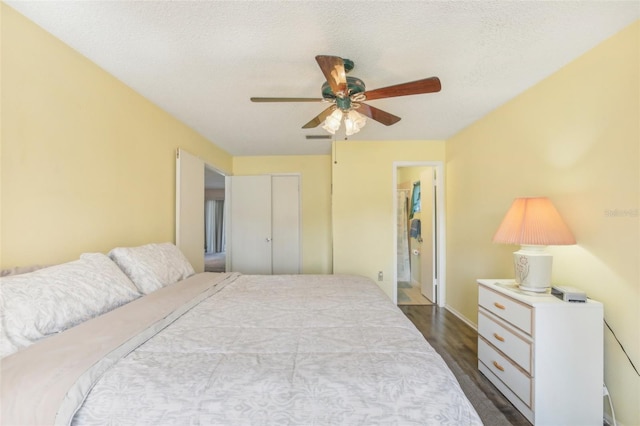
(304, 350)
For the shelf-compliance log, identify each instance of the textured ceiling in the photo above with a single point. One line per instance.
(202, 61)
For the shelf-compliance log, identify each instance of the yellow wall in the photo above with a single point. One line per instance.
(315, 172)
(575, 138)
(363, 193)
(87, 163)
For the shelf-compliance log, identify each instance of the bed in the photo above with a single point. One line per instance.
(217, 349)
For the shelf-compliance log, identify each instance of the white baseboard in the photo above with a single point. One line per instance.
(608, 421)
(461, 317)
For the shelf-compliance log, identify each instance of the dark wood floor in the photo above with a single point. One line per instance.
(446, 332)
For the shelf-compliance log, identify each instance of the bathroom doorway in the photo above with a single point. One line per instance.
(418, 232)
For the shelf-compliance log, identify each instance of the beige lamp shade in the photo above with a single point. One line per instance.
(533, 221)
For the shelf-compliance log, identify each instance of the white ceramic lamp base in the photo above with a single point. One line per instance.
(532, 266)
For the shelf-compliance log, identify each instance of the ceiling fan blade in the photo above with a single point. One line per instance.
(286, 99)
(426, 85)
(333, 69)
(377, 114)
(318, 119)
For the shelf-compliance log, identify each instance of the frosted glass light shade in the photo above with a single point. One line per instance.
(332, 122)
(353, 122)
(534, 223)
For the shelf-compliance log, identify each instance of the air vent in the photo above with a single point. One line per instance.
(318, 136)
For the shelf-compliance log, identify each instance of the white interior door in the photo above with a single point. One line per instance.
(285, 221)
(427, 250)
(250, 239)
(190, 208)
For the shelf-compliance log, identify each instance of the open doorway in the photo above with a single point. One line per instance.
(215, 238)
(418, 233)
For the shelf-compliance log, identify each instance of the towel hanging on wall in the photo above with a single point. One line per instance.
(415, 230)
(415, 199)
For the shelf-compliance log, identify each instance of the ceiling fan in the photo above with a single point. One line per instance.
(347, 94)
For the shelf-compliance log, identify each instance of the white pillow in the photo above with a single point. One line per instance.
(50, 300)
(152, 266)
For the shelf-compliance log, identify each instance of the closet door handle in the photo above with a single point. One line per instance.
(268, 239)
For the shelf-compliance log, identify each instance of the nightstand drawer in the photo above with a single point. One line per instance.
(510, 344)
(517, 381)
(510, 310)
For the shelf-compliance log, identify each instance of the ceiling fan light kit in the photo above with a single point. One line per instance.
(353, 121)
(346, 94)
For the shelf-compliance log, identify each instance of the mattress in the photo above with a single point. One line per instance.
(230, 349)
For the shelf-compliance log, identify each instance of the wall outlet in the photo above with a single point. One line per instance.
(380, 276)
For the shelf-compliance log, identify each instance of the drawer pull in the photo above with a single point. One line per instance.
(498, 305)
(498, 337)
(498, 366)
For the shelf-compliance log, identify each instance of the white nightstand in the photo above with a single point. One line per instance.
(543, 354)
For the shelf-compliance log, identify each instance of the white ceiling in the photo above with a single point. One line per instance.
(202, 61)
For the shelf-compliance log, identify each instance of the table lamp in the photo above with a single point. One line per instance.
(534, 223)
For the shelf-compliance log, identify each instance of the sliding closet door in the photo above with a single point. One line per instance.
(285, 212)
(250, 217)
(190, 208)
(264, 215)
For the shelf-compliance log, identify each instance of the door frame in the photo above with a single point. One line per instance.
(213, 169)
(440, 263)
(190, 179)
